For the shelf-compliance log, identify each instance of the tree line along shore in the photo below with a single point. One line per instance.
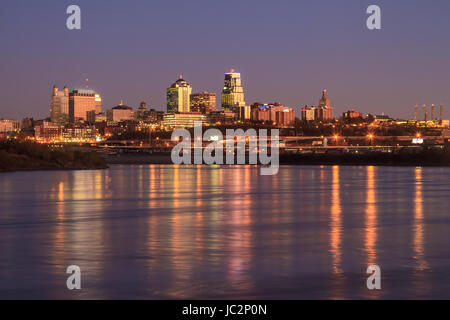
(16, 156)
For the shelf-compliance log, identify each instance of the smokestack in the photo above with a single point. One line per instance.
(425, 115)
(433, 112)
(442, 112)
(416, 113)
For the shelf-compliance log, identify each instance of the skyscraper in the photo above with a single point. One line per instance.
(59, 106)
(203, 102)
(81, 101)
(232, 93)
(324, 112)
(324, 101)
(178, 96)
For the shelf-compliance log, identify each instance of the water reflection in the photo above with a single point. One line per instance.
(223, 232)
(371, 216)
(336, 221)
(418, 229)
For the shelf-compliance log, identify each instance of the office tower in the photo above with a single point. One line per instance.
(425, 115)
(81, 101)
(98, 103)
(232, 93)
(433, 112)
(309, 113)
(141, 111)
(59, 106)
(203, 102)
(178, 96)
(324, 101)
(324, 112)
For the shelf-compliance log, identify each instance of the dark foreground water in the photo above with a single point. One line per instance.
(156, 231)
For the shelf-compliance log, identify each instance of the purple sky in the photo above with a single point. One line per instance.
(286, 51)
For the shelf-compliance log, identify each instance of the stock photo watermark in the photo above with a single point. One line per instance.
(73, 21)
(235, 140)
(374, 280)
(74, 280)
(373, 22)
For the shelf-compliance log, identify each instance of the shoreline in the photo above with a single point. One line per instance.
(400, 160)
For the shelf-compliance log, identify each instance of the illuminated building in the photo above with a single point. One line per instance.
(178, 96)
(324, 111)
(59, 106)
(120, 113)
(7, 125)
(182, 119)
(203, 102)
(93, 117)
(48, 131)
(233, 92)
(309, 113)
(383, 118)
(222, 117)
(352, 114)
(324, 101)
(324, 114)
(79, 133)
(276, 113)
(81, 101)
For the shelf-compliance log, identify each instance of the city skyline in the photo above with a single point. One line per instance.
(132, 56)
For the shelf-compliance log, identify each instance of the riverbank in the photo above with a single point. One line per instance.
(423, 158)
(17, 156)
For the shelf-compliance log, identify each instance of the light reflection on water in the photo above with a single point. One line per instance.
(226, 232)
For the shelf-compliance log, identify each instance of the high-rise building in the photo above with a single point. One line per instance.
(81, 101)
(324, 112)
(309, 113)
(178, 96)
(203, 102)
(324, 101)
(233, 92)
(59, 106)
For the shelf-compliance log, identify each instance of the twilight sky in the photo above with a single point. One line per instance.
(286, 51)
